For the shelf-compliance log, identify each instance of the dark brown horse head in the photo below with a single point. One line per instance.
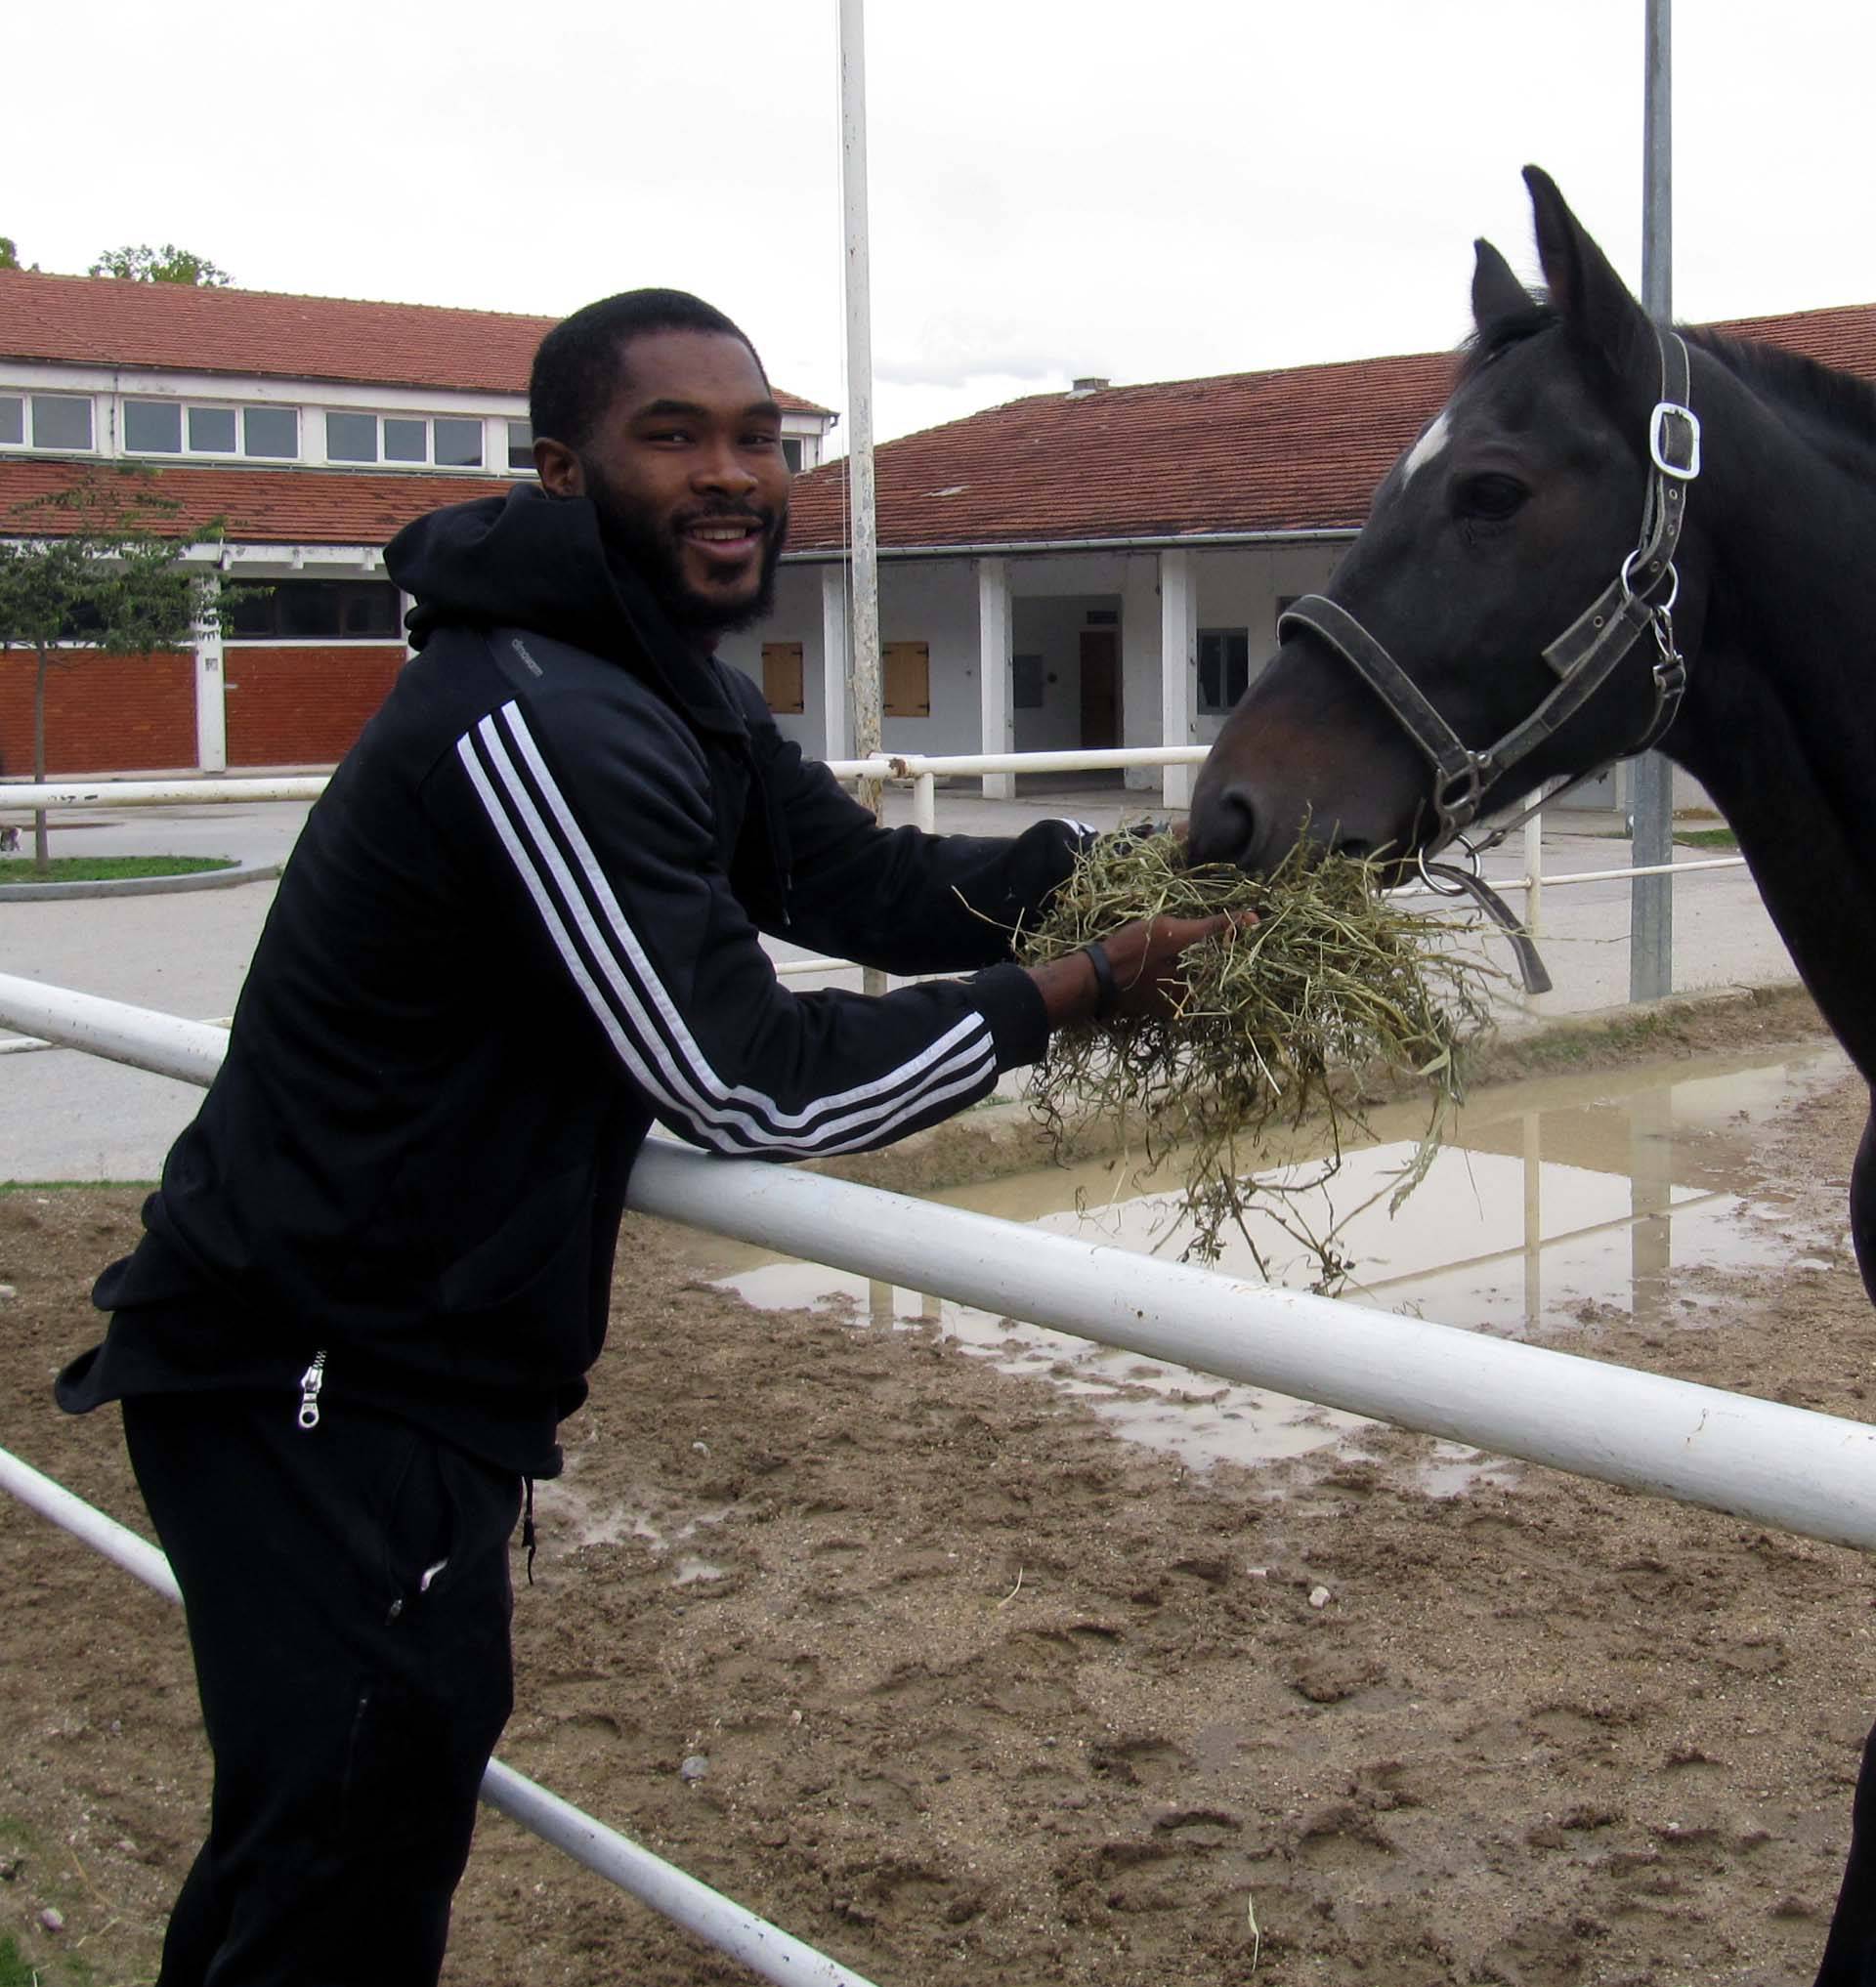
(1492, 534)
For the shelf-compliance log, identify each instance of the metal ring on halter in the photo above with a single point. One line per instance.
(1437, 885)
(1628, 593)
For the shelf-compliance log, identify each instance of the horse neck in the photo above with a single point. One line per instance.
(1780, 720)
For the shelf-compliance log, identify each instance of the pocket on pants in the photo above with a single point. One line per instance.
(449, 1514)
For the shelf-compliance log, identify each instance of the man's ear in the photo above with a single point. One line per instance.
(560, 470)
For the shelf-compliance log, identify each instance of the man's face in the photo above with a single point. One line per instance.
(685, 470)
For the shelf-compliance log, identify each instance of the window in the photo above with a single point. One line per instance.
(351, 437)
(154, 427)
(175, 428)
(404, 441)
(13, 419)
(61, 422)
(270, 433)
(521, 448)
(906, 679)
(313, 610)
(211, 431)
(1224, 668)
(782, 678)
(458, 444)
(1026, 682)
(791, 453)
(403, 438)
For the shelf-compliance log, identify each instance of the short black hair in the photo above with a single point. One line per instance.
(575, 369)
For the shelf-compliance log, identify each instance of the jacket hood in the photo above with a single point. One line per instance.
(529, 560)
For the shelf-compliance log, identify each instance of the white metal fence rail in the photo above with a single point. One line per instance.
(763, 1948)
(1805, 1473)
(919, 772)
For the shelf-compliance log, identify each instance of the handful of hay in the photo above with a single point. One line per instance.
(1293, 1015)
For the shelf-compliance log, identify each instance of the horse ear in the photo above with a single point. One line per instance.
(1593, 301)
(1497, 294)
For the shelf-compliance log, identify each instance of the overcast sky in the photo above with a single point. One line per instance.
(1143, 191)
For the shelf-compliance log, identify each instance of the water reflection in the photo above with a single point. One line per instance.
(1554, 1200)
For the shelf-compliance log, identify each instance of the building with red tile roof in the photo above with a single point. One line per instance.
(316, 428)
(1097, 568)
(260, 334)
(1042, 561)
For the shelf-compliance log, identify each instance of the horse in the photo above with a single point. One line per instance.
(1615, 535)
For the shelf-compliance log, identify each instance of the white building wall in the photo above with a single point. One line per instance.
(797, 618)
(935, 601)
(1051, 628)
(1240, 588)
(931, 600)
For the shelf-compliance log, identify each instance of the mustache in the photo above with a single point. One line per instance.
(725, 512)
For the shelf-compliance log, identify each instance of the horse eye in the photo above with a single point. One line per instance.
(1489, 496)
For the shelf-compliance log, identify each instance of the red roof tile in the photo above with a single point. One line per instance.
(1293, 450)
(261, 506)
(103, 320)
(1300, 450)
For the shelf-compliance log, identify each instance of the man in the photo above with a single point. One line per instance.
(521, 924)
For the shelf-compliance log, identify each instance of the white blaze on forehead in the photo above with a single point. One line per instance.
(1426, 447)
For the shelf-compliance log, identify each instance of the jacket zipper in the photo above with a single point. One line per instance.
(311, 1381)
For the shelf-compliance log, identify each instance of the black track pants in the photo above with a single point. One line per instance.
(348, 1599)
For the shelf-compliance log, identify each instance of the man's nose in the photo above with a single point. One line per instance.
(723, 469)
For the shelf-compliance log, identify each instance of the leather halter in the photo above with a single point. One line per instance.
(1640, 597)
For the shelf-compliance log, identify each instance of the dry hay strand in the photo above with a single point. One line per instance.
(1333, 989)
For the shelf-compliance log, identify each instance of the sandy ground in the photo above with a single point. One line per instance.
(990, 1696)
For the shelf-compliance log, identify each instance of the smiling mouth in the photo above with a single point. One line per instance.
(732, 533)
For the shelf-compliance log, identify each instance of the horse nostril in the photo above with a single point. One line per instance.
(1224, 828)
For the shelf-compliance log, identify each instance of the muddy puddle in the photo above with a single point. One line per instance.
(1552, 1201)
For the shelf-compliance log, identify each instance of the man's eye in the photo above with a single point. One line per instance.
(761, 441)
(670, 434)
(1490, 496)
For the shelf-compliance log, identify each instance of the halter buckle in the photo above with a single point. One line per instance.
(1457, 794)
(1665, 411)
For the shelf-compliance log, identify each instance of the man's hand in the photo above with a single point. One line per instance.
(1146, 960)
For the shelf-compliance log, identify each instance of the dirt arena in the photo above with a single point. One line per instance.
(988, 1697)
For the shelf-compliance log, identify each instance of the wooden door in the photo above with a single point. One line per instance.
(1100, 688)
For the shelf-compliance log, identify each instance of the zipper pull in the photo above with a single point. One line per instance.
(311, 1381)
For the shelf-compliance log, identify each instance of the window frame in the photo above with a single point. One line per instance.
(785, 678)
(30, 442)
(334, 586)
(1225, 637)
(187, 407)
(905, 679)
(404, 465)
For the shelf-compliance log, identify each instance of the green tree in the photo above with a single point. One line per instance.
(9, 252)
(93, 569)
(142, 264)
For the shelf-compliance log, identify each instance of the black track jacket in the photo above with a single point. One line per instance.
(519, 925)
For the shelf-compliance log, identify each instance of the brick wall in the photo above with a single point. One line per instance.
(104, 713)
(302, 706)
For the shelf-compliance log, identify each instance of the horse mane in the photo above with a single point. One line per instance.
(1844, 405)
(1838, 409)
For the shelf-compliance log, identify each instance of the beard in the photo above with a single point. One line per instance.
(655, 552)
